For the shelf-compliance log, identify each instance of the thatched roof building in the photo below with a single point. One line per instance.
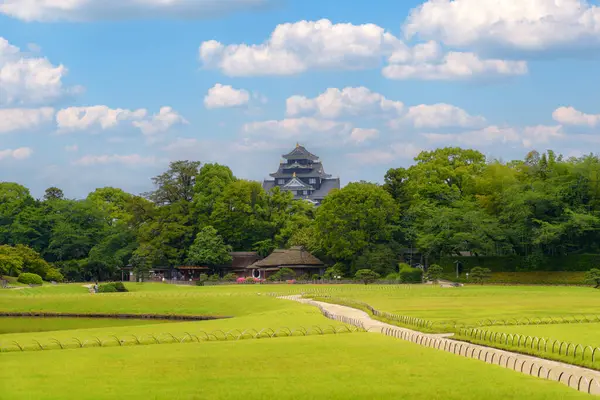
(296, 258)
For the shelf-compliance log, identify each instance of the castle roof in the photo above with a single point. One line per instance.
(300, 153)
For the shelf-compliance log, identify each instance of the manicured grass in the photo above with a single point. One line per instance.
(353, 366)
(585, 333)
(530, 278)
(25, 324)
(473, 303)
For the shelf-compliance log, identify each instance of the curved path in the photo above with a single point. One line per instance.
(579, 378)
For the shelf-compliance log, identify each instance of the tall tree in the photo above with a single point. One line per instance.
(176, 184)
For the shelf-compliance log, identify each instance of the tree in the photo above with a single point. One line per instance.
(53, 193)
(10, 264)
(209, 249)
(479, 274)
(210, 183)
(366, 276)
(354, 218)
(176, 184)
(13, 199)
(593, 277)
(379, 258)
(434, 272)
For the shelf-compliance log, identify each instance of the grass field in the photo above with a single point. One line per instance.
(333, 367)
(356, 365)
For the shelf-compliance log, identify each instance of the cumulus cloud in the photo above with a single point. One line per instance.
(571, 116)
(29, 80)
(21, 153)
(220, 96)
(131, 159)
(297, 47)
(90, 10)
(15, 119)
(294, 48)
(298, 128)
(396, 151)
(493, 135)
(525, 25)
(103, 117)
(161, 122)
(452, 66)
(439, 116)
(361, 135)
(334, 103)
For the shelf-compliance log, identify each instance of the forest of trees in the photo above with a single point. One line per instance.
(449, 201)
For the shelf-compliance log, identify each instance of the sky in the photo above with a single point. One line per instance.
(96, 94)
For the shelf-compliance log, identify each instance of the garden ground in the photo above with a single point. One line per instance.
(353, 365)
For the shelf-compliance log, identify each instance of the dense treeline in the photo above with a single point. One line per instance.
(450, 201)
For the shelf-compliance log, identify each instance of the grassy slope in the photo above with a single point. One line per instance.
(23, 325)
(471, 304)
(333, 367)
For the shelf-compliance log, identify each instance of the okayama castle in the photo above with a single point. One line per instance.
(301, 173)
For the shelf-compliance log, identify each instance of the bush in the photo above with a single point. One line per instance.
(434, 272)
(408, 274)
(230, 277)
(54, 275)
(107, 288)
(392, 277)
(214, 278)
(251, 280)
(479, 274)
(366, 276)
(30, 279)
(303, 278)
(201, 279)
(315, 277)
(120, 287)
(593, 277)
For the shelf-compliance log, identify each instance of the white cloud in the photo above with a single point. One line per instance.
(520, 24)
(396, 151)
(334, 103)
(15, 119)
(29, 80)
(298, 128)
(571, 116)
(131, 159)
(361, 135)
(21, 153)
(493, 135)
(161, 122)
(220, 96)
(297, 47)
(89, 10)
(452, 66)
(103, 117)
(439, 116)
(72, 149)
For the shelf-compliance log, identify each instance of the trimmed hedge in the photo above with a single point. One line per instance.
(112, 287)
(573, 262)
(410, 275)
(30, 279)
(54, 275)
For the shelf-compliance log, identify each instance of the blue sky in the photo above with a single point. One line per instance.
(94, 96)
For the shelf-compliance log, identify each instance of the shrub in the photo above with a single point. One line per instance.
(366, 276)
(54, 275)
(408, 274)
(107, 288)
(214, 278)
(593, 277)
(303, 277)
(29, 279)
(241, 279)
(315, 277)
(201, 279)
(392, 277)
(230, 277)
(120, 287)
(251, 280)
(434, 272)
(479, 274)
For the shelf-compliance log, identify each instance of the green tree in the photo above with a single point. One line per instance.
(366, 276)
(210, 183)
(593, 277)
(10, 264)
(209, 249)
(53, 193)
(354, 218)
(176, 184)
(480, 275)
(379, 258)
(434, 272)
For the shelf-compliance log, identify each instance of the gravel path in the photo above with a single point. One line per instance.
(579, 378)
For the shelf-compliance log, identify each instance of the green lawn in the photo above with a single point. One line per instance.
(473, 303)
(24, 324)
(353, 366)
(586, 333)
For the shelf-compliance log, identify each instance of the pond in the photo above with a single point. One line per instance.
(44, 324)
